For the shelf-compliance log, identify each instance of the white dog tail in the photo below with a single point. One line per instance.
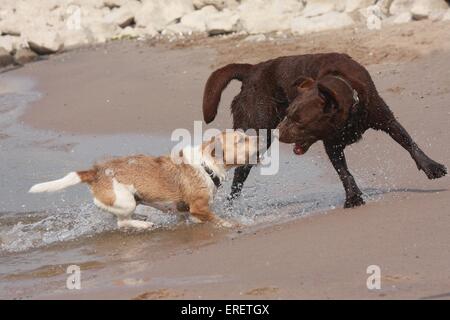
(69, 180)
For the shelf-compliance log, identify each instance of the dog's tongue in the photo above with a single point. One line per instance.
(298, 150)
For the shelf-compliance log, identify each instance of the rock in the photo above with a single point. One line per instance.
(9, 25)
(101, 32)
(319, 7)
(256, 38)
(446, 16)
(121, 17)
(403, 18)
(400, 6)
(113, 4)
(374, 15)
(25, 55)
(177, 29)
(331, 20)
(148, 31)
(218, 4)
(384, 6)
(353, 5)
(75, 38)
(264, 16)
(436, 15)
(160, 13)
(6, 44)
(373, 22)
(5, 58)
(45, 41)
(222, 22)
(128, 32)
(10, 32)
(421, 9)
(196, 20)
(94, 4)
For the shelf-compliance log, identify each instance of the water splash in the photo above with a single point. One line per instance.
(20, 232)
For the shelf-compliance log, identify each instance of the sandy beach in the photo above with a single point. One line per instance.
(295, 242)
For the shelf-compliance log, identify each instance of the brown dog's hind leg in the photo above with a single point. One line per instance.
(337, 158)
(391, 126)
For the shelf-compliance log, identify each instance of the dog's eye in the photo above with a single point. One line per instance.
(322, 97)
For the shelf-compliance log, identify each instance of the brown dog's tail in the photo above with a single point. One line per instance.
(71, 179)
(217, 82)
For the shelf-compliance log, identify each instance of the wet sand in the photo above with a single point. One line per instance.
(293, 243)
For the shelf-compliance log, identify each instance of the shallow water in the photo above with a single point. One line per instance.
(41, 234)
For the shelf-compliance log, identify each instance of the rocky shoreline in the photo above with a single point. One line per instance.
(29, 29)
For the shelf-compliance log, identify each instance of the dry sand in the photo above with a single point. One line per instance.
(129, 87)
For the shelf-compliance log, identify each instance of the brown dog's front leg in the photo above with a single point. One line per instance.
(432, 169)
(240, 175)
(337, 158)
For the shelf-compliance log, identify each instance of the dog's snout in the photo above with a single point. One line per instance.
(285, 133)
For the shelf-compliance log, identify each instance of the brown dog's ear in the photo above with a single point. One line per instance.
(338, 94)
(303, 83)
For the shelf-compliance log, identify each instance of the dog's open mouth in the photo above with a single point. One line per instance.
(300, 148)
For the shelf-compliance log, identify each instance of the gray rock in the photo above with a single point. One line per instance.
(374, 16)
(222, 22)
(319, 7)
(196, 20)
(262, 16)
(400, 6)
(353, 5)
(446, 16)
(25, 55)
(121, 17)
(422, 9)
(403, 18)
(112, 4)
(5, 58)
(328, 21)
(218, 4)
(45, 42)
(160, 13)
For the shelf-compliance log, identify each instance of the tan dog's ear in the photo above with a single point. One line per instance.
(303, 83)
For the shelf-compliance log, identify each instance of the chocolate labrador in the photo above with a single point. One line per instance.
(328, 97)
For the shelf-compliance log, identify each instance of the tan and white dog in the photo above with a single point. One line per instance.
(184, 184)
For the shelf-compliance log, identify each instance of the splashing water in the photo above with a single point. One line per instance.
(32, 156)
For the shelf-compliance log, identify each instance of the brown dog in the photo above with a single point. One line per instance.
(183, 184)
(328, 97)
